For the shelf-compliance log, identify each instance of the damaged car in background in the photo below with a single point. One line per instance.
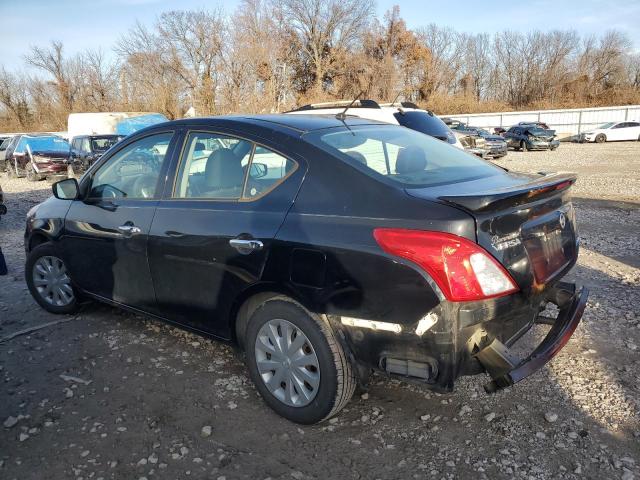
(326, 248)
(531, 137)
(37, 156)
(87, 149)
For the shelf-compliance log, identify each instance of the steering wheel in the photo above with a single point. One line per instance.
(144, 186)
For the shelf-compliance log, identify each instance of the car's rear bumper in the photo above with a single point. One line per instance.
(505, 370)
(470, 338)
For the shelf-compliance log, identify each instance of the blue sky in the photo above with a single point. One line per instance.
(99, 23)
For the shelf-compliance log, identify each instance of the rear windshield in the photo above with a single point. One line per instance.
(404, 156)
(425, 123)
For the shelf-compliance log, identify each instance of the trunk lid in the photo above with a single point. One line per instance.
(527, 222)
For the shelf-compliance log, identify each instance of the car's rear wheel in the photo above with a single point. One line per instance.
(48, 280)
(601, 138)
(296, 362)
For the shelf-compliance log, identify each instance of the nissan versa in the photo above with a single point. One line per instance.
(325, 247)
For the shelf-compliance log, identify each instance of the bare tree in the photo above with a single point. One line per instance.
(321, 28)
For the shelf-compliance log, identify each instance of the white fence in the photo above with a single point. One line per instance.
(567, 123)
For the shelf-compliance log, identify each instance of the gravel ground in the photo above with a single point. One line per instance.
(114, 395)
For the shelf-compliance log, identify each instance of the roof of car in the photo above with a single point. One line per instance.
(299, 123)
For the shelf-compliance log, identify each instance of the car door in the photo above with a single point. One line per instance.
(618, 132)
(634, 131)
(214, 229)
(105, 242)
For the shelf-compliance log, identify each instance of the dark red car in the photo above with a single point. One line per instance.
(37, 156)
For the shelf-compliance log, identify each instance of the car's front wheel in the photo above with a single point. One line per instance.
(31, 173)
(11, 173)
(48, 280)
(297, 363)
(601, 138)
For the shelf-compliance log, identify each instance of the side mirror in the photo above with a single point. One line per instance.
(67, 189)
(258, 170)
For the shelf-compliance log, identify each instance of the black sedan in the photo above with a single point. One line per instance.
(325, 248)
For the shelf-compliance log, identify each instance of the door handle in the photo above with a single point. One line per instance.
(246, 246)
(129, 229)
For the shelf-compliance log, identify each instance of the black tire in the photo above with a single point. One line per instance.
(601, 138)
(337, 376)
(46, 250)
(31, 173)
(523, 146)
(11, 173)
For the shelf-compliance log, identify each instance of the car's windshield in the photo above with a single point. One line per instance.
(607, 125)
(405, 156)
(102, 144)
(537, 131)
(43, 144)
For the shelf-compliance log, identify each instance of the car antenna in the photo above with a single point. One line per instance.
(342, 115)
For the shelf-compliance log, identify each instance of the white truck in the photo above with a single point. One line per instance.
(110, 123)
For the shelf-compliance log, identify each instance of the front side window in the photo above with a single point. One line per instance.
(133, 172)
(85, 147)
(402, 155)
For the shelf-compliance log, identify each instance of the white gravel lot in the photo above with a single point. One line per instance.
(162, 403)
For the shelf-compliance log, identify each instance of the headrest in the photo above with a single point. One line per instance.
(223, 170)
(411, 159)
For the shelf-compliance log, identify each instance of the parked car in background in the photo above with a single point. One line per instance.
(3, 208)
(4, 144)
(37, 156)
(86, 149)
(531, 137)
(612, 132)
(494, 146)
(407, 114)
(325, 247)
(471, 142)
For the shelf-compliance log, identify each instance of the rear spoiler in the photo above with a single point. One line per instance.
(545, 186)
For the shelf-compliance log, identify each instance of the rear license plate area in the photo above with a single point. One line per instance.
(550, 242)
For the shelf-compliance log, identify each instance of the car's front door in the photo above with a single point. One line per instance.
(618, 132)
(105, 243)
(214, 229)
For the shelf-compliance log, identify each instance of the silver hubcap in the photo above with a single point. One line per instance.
(52, 282)
(287, 363)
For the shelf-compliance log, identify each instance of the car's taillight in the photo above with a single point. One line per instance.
(462, 269)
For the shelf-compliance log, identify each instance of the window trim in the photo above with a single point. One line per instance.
(241, 199)
(164, 168)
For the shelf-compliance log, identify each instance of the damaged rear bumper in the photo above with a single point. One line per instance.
(505, 370)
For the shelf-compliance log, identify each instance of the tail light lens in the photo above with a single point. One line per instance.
(462, 269)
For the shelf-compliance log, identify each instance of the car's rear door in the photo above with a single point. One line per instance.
(105, 242)
(214, 230)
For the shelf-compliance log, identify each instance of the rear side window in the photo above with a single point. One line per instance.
(401, 155)
(215, 166)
